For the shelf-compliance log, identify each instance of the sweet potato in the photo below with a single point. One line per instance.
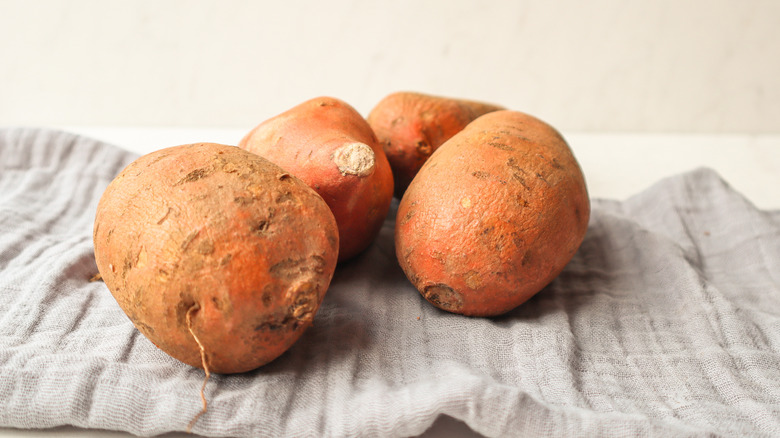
(411, 126)
(326, 143)
(209, 246)
(493, 216)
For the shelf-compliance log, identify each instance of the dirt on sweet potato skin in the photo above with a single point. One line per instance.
(493, 216)
(410, 126)
(223, 238)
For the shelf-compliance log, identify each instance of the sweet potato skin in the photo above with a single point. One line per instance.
(411, 126)
(228, 237)
(309, 141)
(493, 216)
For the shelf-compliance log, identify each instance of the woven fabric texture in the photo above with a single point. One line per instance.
(665, 323)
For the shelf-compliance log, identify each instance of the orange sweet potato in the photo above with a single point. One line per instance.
(410, 126)
(493, 216)
(209, 246)
(329, 145)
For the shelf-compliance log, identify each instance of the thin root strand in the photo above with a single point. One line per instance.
(188, 317)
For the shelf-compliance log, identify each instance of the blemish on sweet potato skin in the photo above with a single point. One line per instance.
(187, 240)
(165, 216)
(492, 252)
(213, 252)
(194, 175)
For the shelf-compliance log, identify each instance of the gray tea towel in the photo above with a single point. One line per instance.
(665, 323)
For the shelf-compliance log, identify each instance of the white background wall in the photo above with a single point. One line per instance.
(600, 65)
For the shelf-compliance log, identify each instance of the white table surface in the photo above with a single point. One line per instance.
(616, 166)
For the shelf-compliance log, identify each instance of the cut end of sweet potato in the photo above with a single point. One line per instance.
(355, 159)
(443, 297)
